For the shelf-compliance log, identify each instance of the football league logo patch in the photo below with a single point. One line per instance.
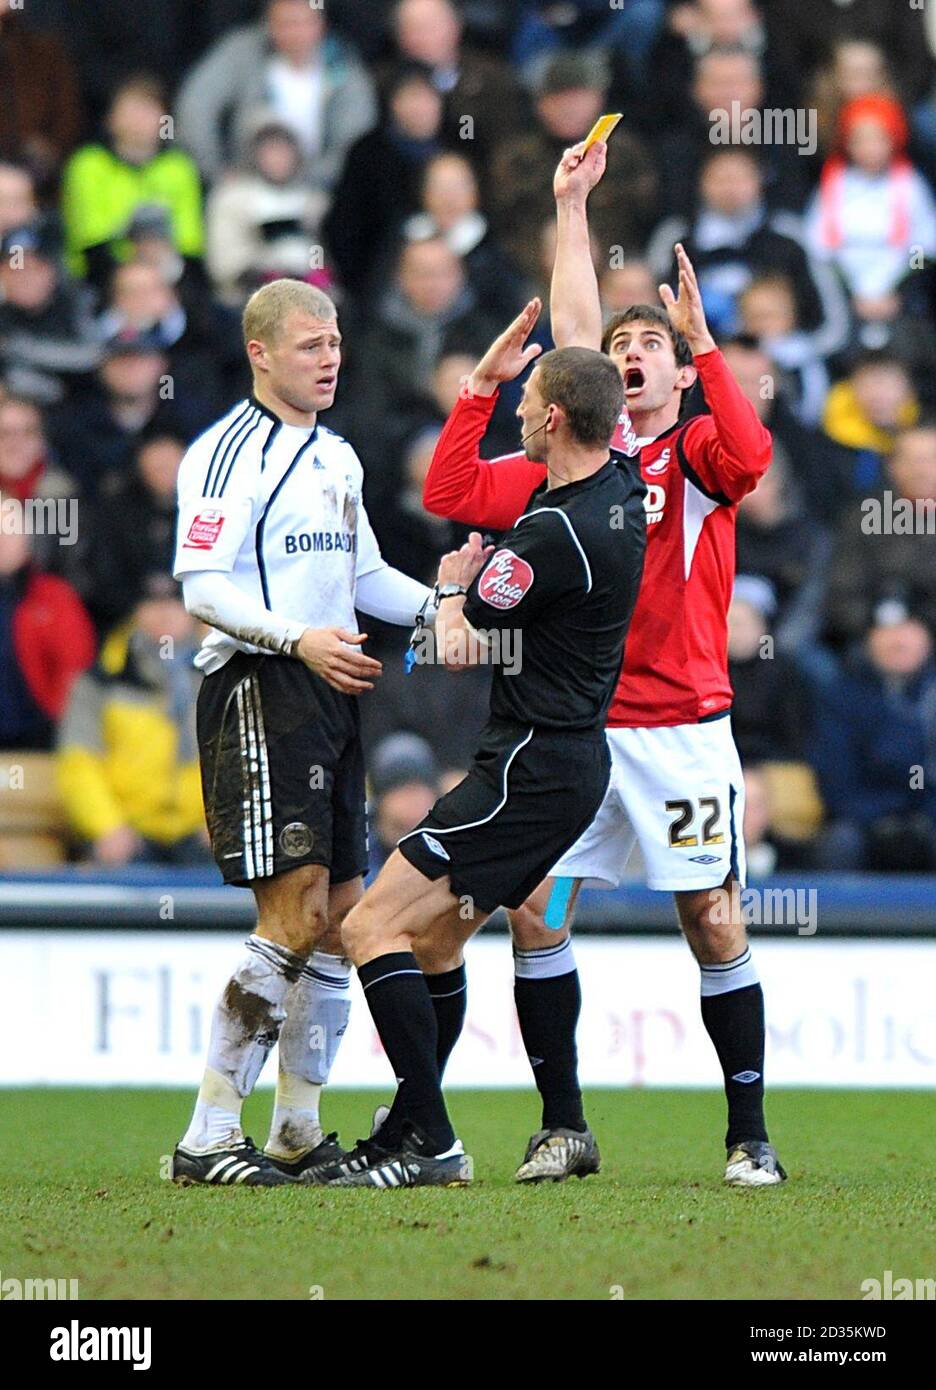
(505, 580)
(204, 530)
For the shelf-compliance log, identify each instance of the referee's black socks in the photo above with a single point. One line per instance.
(402, 1009)
(449, 999)
(549, 999)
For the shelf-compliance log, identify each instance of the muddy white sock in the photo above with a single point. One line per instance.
(317, 1010)
(245, 1025)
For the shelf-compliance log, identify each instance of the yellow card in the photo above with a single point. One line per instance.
(602, 129)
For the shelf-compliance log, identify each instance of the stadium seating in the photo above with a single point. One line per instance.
(32, 825)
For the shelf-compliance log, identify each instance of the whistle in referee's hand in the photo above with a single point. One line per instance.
(409, 656)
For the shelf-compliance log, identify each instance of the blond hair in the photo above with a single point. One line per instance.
(268, 308)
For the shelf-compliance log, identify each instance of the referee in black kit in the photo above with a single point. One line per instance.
(566, 578)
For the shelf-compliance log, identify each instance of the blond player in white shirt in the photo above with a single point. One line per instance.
(275, 553)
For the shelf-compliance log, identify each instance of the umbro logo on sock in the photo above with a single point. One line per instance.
(746, 1077)
(535, 1061)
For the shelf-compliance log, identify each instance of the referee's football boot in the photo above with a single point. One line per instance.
(238, 1165)
(753, 1163)
(307, 1166)
(553, 1155)
(411, 1163)
(365, 1153)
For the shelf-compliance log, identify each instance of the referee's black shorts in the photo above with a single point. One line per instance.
(282, 770)
(527, 797)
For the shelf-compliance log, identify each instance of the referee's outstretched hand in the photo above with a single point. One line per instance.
(578, 171)
(329, 652)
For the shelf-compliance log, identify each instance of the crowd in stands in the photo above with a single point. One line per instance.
(160, 161)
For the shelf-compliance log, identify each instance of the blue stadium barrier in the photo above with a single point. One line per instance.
(843, 905)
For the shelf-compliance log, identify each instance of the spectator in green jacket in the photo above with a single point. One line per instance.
(104, 183)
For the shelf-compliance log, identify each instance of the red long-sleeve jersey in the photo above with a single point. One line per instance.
(675, 667)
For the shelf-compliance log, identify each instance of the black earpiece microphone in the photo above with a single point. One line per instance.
(536, 431)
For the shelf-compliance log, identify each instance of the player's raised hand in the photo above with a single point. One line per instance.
(329, 652)
(685, 310)
(579, 170)
(461, 566)
(508, 355)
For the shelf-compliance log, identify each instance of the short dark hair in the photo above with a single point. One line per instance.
(745, 342)
(748, 152)
(879, 357)
(588, 387)
(402, 74)
(648, 313)
(729, 50)
(926, 424)
(140, 84)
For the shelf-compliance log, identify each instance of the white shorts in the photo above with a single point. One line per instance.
(679, 792)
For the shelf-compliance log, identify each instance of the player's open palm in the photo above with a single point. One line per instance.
(330, 653)
(508, 354)
(579, 170)
(685, 309)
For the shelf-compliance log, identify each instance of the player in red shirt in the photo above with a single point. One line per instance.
(676, 784)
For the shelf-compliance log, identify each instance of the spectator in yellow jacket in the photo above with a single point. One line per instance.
(127, 760)
(139, 165)
(868, 408)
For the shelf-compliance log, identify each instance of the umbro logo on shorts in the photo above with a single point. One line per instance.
(433, 844)
(704, 858)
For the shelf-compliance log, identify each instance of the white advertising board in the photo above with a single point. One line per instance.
(133, 1008)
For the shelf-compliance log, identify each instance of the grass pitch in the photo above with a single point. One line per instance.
(81, 1197)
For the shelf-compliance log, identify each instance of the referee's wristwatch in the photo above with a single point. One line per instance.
(448, 591)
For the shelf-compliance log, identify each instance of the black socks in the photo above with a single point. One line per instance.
(548, 1010)
(402, 1009)
(735, 1023)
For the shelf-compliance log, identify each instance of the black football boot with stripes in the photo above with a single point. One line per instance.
(364, 1153)
(239, 1165)
(309, 1167)
(411, 1163)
